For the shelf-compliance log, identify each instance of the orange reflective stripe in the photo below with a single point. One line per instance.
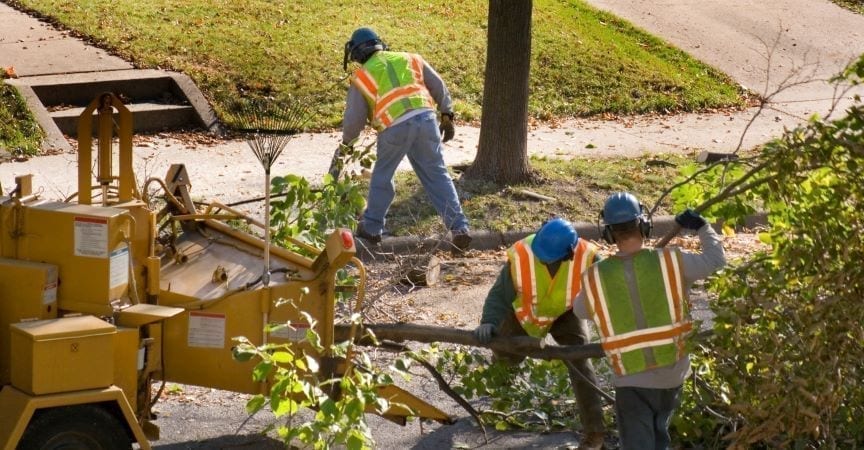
(579, 264)
(678, 330)
(394, 96)
(673, 283)
(385, 119)
(598, 308)
(527, 282)
(417, 68)
(366, 83)
(616, 363)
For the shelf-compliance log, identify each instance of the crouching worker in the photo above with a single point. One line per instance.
(639, 300)
(533, 296)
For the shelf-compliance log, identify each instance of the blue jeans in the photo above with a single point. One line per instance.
(644, 415)
(419, 139)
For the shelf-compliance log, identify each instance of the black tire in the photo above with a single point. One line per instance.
(80, 427)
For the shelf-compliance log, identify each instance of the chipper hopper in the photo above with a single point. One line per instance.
(103, 294)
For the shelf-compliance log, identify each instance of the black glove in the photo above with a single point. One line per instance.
(484, 332)
(690, 220)
(446, 128)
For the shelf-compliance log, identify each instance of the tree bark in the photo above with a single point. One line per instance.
(520, 345)
(502, 153)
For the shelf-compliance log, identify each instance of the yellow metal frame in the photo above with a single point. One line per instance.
(18, 409)
(105, 103)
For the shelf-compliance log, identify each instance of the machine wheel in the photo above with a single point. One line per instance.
(75, 427)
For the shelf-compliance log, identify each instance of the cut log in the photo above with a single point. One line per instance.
(420, 270)
(519, 345)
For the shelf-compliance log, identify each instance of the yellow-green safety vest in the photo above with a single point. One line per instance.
(541, 298)
(392, 84)
(641, 308)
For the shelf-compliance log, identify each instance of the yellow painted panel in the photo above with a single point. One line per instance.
(28, 290)
(82, 346)
(126, 349)
(87, 243)
(143, 314)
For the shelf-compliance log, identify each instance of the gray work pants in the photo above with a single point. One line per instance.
(644, 415)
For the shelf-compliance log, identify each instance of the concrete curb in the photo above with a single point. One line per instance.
(491, 240)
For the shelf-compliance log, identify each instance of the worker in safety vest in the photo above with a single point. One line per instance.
(533, 296)
(638, 298)
(398, 93)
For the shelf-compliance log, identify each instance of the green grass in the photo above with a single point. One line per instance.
(584, 61)
(580, 187)
(19, 133)
(854, 5)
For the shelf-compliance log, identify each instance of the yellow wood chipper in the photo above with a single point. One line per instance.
(101, 295)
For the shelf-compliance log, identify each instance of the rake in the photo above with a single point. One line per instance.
(268, 125)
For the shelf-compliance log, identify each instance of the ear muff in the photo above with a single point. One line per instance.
(607, 235)
(345, 56)
(604, 230)
(645, 224)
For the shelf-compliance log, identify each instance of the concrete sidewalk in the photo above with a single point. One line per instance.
(727, 35)
(34, 48)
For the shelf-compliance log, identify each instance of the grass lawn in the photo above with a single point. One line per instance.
(19, 132)
(585, 62)
(579, 188)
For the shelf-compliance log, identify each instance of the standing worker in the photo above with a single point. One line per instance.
(639, 300)
(533, 295)
(397, 93)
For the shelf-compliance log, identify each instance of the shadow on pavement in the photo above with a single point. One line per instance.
(225, 442)
(466, 435)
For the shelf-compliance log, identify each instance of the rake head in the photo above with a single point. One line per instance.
(269, 124)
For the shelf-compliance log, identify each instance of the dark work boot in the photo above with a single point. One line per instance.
(461, 241)
(361, 233)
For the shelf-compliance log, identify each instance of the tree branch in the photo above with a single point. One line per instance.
(519, 345)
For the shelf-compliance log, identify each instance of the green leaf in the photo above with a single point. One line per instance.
(255, 403)
(282, 357)
(262, 371)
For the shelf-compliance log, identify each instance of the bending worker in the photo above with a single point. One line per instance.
(638, 299)
(533, 295)
(397, 93)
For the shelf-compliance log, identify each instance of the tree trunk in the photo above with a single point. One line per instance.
(502, 153)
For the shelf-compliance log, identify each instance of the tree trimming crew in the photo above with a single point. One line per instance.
(398, 93)
(533, 296)
(639, 301)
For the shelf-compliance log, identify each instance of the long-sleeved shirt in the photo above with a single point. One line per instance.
(499, 299)
(357, 110)
(694, 266)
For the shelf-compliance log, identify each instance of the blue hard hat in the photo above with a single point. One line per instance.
(363, 43)
(621, 207)
(362, 35)
(555, 240)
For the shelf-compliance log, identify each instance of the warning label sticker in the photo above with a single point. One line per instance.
(91, 237)
(118, 267)
(294, 333)
(206, 330)
(49, 293)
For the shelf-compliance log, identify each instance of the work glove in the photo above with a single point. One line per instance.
(484, 332)
(690, 220)
(446, 127)
(338, 162)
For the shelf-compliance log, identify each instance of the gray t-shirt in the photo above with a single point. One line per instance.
(695, 266)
